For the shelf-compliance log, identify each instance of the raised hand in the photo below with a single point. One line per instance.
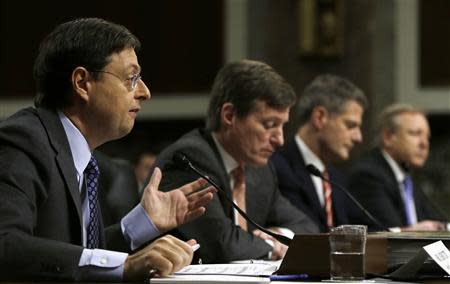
(173, 208)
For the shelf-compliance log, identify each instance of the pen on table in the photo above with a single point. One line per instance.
(288, 277)
(154, 272)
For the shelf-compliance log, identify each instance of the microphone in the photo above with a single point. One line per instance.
(315, 171)
(181, 160)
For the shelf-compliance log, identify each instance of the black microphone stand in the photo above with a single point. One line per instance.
(181, 159)
(314, 171)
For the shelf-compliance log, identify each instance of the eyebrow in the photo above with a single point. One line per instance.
(353, 122)
(134, 67)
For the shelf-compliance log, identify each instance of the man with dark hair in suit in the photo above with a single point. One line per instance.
(382, 180)
(90, 91)
(329, 114)
(249, 105)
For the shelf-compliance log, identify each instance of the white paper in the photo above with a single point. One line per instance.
(210, 279)
(254, 269)
(439, 253)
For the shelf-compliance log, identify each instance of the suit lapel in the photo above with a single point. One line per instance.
(60, 144)
(304, 179)
(393, 187)
(221, 173)
(338, 198)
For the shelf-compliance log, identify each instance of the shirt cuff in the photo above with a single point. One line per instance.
(270, 243)
(138, 228)
(395, 230)
(99, 264)
(286, 232)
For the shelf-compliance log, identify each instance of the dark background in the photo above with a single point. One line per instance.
(183, 47)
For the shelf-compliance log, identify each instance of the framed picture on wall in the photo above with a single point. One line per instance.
(321, 28)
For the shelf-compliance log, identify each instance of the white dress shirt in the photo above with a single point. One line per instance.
(310, 158)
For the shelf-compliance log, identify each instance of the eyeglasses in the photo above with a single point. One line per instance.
(134, 79)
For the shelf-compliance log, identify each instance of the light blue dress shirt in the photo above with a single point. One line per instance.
(137, 227)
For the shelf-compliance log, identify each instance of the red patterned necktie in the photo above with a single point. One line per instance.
(327, 198)
(239, 194)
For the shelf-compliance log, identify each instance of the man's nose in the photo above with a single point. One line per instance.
(142, 92)
(357, 136)
(278, 138)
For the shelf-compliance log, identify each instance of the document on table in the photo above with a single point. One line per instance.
(210, 279)
(248, 269)
(221, 273)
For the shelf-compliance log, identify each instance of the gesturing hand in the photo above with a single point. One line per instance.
(173, 208)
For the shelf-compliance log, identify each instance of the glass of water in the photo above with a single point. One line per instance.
(347, 250)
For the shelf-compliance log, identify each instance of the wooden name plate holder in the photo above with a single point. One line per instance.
(385, 252)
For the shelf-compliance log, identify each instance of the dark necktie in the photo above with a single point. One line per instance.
(91, 174)
(408, 199)
(327, 199)
(239, 194)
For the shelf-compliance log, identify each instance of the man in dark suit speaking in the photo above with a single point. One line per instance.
(90, 91)
(382, 180)
(329, 114)
(249, 105)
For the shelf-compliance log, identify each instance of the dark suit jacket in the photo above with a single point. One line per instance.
(40, 206)
(220, 239)
(118, 190)
(297, 186)
(373, 183)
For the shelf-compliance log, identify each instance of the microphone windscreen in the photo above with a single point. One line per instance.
(181, 160)
(313, 170)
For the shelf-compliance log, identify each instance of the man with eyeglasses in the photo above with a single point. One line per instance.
(89, 92)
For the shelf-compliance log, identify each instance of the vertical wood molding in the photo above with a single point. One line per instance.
(236, 30)
(433, 100)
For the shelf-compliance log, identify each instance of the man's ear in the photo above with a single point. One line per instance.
(387, 136)
(227, 114)
(80, 83)
(319, 117)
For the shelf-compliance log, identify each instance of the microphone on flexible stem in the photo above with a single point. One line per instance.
(182, 160)
(315, 171)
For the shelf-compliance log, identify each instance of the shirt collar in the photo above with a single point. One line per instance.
(81, 154)
(308, 155)
(228, 161)
(398, 172)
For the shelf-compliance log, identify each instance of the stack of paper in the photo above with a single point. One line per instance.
(222, 273)
(210, 279)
